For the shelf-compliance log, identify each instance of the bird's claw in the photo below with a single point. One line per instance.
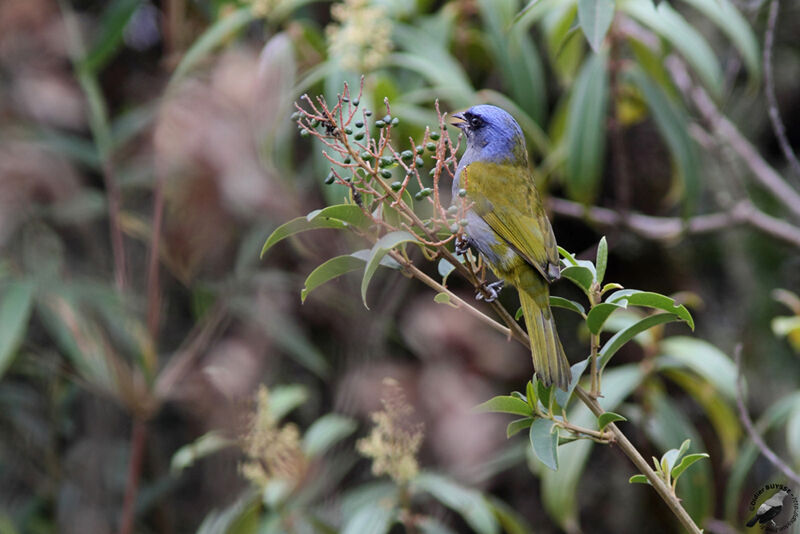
(461, 245)
(493, 291)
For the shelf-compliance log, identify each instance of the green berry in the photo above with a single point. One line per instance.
(395, 121)
(359, 124)
(407, 155)
(453, 228)
(368, 113)
(419, 149)
(385, 162)
(462, 193)
(348, 131)
(379, 124)
(396, 186)
(386, 174)
(431, 147)
(345, 99)
(387, 118)
(304, 133)
(294, 116)
(418, 195)
(359, 136)
(435, 136)
(463, 222)
(419, 162)
(346, 160)
(452, 210)
(356, 102)
(366, 156)
(426, 192)
(330, 179)
(314, 123)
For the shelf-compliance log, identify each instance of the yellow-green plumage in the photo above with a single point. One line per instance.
(525, 255)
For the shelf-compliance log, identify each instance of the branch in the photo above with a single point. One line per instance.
(724, 128)
(769, 82)
(669, 228)
(768, 453)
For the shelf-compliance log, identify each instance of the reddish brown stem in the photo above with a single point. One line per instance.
(138, 441)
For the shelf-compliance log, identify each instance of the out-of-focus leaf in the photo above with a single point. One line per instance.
(284, 399)
(297, 225)
(112, 27)
(544, 440)
(218, 32)
(379, 250)
(564, 45)
(602, 259)
(673, 27)
(72, 146)
(15, 311)
(725, 15)
(203, 446)
(367, 495)
(511, 521)
(504, 404)
(559, 489)
(518, 425)
(586, 130)
(595, 17)
(326, 432)
(623, 336)
(674, 127)
(290, 337)
(704, 359)
(608, 417)
(793, 434)
(372, 518)
(430, 525)
(329, 270)
(219, 521)
(468, 503)
(559, 302)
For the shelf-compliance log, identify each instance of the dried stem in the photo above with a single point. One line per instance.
(138, 442)
(768, 453)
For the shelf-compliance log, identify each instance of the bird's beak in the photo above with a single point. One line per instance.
(460, 121)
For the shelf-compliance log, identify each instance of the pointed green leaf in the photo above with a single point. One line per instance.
(576, 371)
(608, 417)
(347, 213)
(518, 425)
(284, 399)
(297, 225)
(544, 392)
(531, 396)
(15, 311)
(467, 502)
(505, 404)
(648, 299)
(203, 446)
(559, 302)
(595, 17)
(372, 518)
(704, 359)
(326, 432)
(597, 316)
(544, 440)
(379, 250)
(329, 270)
(579, 275)
(518, 314)
(568, 257)
(638, 479)
(687, 461)
(602, 259)
(623, 336)
(112, 25)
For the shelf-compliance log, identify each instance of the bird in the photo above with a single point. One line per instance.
(769, 509)
(506, 223)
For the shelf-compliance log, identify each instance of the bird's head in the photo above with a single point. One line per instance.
(492, 134)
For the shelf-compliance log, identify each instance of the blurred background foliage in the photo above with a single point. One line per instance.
(146, 151)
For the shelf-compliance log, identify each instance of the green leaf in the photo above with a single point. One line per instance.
(297, 225)
(379, 250)
(326, 432)
(505, 404)
(329, 270)
(673, 124)
(623, 336)
(372, 518)
(652, 300)
(544, 393)
(559, 302)
(115, 17)
(595, 17)
(544, 440)
(598, 315)
(429, 525)
(576, 370)
(518, 425)
(284, 399)
(586, 127)
(704, 359)
(518, 314)
(468, 503)
(203, 446)
(443, 298)
(214, 36)
(568, 257)
(579, 275)
(638, 479)
(347, 213)
(673, 27)
(602, 259)
(445, 268)
(530, 395)
(684, 464)
(608, 417)
(15, 311)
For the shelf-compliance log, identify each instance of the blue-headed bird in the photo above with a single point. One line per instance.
(508, 226)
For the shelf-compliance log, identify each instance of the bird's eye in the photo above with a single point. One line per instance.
(475, 122)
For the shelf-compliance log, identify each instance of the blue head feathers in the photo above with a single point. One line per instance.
(492, 135)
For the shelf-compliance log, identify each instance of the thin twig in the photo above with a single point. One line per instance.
(768, 453)
(764, 174)
(769, 87)
(138, 441)
(672, 228)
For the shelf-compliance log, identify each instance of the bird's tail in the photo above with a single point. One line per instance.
(549, 360)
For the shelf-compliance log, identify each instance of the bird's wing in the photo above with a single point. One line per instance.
(504, 196)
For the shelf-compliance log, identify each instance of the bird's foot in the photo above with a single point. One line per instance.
(493, 291)
(461, 245)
